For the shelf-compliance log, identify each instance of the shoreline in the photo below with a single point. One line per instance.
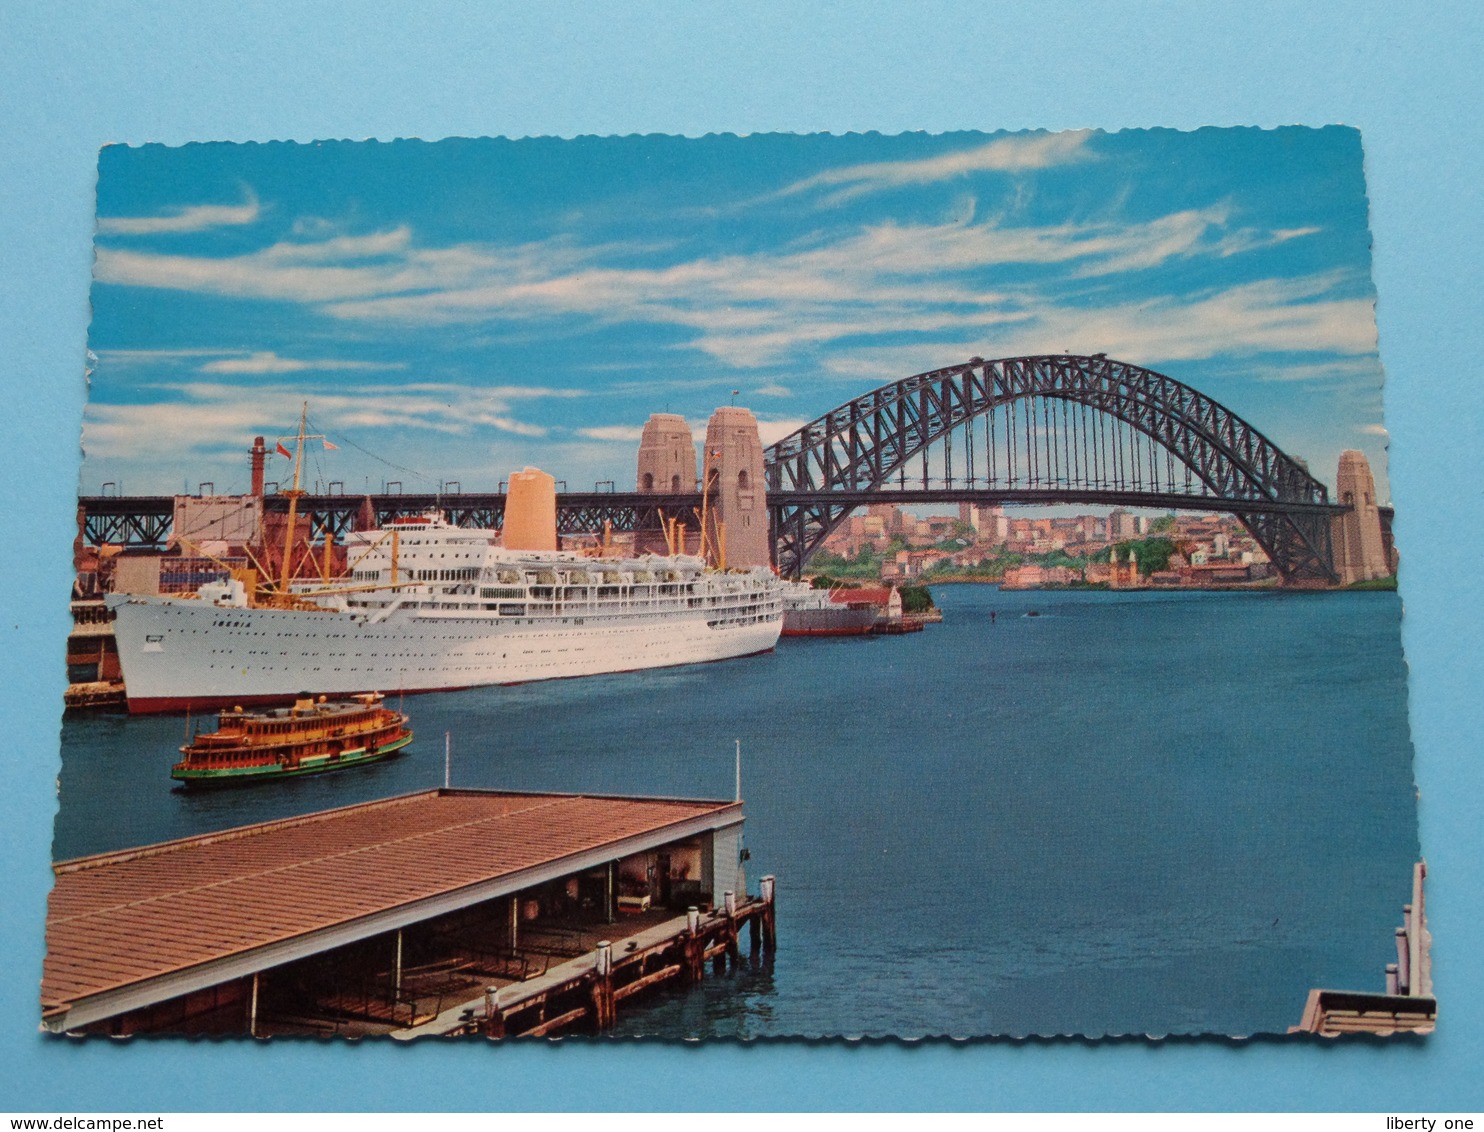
(1234, 587)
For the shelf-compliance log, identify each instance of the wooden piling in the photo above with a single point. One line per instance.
(729, 902)
(397, 968)
(693, 948)
(602, 989)
(494, 1017)
(768, 888)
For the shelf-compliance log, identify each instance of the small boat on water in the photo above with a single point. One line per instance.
(310, 737)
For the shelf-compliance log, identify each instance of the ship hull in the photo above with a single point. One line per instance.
(839, 622)
(184, 654)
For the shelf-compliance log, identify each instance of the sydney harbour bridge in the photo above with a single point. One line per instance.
(1045, 429)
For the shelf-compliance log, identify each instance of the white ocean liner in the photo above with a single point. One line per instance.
(433, 606)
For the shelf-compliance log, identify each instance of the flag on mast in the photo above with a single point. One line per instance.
(330, 447)
(282, 451)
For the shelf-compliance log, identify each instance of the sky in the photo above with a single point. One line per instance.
(455, 310)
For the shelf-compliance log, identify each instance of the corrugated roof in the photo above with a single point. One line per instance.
(118, 918)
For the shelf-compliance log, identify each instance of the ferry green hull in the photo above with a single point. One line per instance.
(242, 776)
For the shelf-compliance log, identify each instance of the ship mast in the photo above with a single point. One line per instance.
(295, 494)
(707, 548)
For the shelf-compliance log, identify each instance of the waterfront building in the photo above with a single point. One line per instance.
(374, 918)
(1220, 573)
(890, 515)
(1031, 576)
(1121, 525)
(1408, 1003)
(994, 522)
(215, 522)
(93, 672)
(1122, 575)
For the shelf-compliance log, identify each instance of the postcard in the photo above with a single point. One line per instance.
(731, 587)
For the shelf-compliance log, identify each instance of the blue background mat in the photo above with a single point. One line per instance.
(170, 72)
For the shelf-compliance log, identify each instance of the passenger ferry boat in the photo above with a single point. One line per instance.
(430, 606)
(308, 738)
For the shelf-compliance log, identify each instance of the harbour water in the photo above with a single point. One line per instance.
(1133, 813)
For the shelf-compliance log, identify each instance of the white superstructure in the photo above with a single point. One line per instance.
(432, 606)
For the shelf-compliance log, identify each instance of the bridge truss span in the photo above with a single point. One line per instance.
(1041, 429)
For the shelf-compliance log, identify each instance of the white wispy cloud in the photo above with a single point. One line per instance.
(769, 428)
(158, 357)
(267, 361)
(1276, 317)
(344, 267)
(1349, 371)
(341, 268)
(234, 361)
(757, 310)
(773, 429)
(207, 417)
(1014, 154)
(1249, 239)
(385, 275)
(626, 433)
(191, 218)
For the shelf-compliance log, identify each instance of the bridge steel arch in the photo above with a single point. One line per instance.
(817, 475)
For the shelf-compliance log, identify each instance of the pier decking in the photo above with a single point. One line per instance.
(1408, 1006)
(586, 991)
(397, 915)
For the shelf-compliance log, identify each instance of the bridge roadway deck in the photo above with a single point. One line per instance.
(145, 520)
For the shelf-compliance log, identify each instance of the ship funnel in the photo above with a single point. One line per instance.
(258, 453)
(530, 511)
